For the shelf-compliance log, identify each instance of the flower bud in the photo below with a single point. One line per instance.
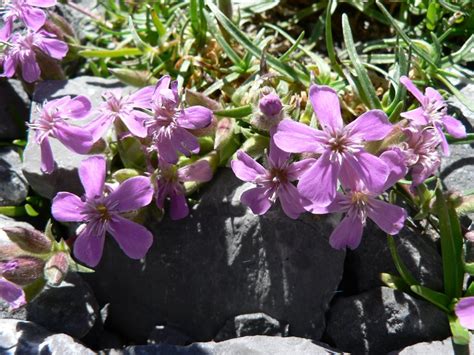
(454, 198)
(22, 270)
(28, 239)
(270, 105)
(56, 268)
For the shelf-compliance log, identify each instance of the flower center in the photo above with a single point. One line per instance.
(278, 175)
(359, 204)
(103, 212)
(435, 110)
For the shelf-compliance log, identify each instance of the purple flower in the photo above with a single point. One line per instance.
(433, 112)
(341, 148)
(464, 310)
(51, 123)
(11, 293)
(169, 127)
(272, 183)
(118, 106)
(25, 11)
(270, 114)
(360, 202)
(21, 53)
(170, 184)
(101, 211)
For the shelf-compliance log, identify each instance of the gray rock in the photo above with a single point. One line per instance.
(14, 110)
(436, 347)
(251, 324)
(466, 115)
(13, 185)
(79, 21)
(69, 308)
(220, 261)
(254, 345)
(20, 337)
(382, 320)
(65, 177)
(168, 335)
(457, 170)
(365, 264)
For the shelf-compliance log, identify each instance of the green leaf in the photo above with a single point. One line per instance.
(400, 266)
(142, 46)
(432, 17)
(243, 39)
(437, 298)
(110, 53)
(395, 282)
(331, 7)
(368, 91)
(138, 78)
(13, 211)
(34, 288)
(461, 335)
(285, 56)
(469, 268)
(469, 139)
(455, 91)
(30, 210)
(470, 290)
(237, 112)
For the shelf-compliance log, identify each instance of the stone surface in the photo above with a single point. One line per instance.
(168, 335)
(79, 22)
(13, 185)
(20, 337)
(437, 347)
(219, 262)
(251, 324)
(382, 320)
(455, 106)
(255, 345)
(365, 264)
(65, 177)
(68, 308)
(14, 110)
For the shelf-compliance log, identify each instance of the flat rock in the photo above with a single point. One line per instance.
(14, 110)
(65, 177)
(219, 262)
(382, 320)
(252, 324)
(251, 345)
(13, 185)
(21, 337)
(365, 264)
(436, 347)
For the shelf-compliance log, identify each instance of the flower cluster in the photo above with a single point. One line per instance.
(26, 49)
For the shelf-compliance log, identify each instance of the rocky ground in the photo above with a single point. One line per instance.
(223, 280)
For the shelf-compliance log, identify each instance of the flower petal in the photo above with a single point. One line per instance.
(78, 107)
(295, 137)
(30, 70)
(135, 124)
(54, 47)
(47, 159)
(142, 98)
(444, 141)
(295, 170)
(416, 116)
(132, 194)
(89, 245)
(372, 125)
(67, 207)
(371, 170)
(33, 18)
(133, 238)
(433, 94)
(277, 157)
(290, 200)
(465, 312)
(326, 105)
(178, 206)
(92, 174)
(77, 139)
(396, 165)
(42, 3)
(388, 217)
(257, 199)
(347, 234)
(412, 88)
(317, 186)
(12, 294)
(99, 126)
(246, 168)
(195, 117)
(199, 171)
(6, 30)
(454, 127)
(184, 141)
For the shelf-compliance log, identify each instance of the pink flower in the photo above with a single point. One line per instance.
(11, 293)
(433, 113)
(25, 11)
(464, 310)
(21, 53)
(51, 123)
(170, 184)
(360, 202)
(272, 183)
(123, 107)
(169, 128)
(341, 148)
(101, 211)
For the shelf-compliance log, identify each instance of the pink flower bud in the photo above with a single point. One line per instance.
(28, 239)
(56, 268)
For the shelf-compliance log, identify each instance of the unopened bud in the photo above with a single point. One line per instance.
(22, 270)
(56, 268)
(454, 198)
(124, 174)
(29, 239)
(270, 105)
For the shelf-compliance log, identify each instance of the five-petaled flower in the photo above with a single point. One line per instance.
(272, 183)
(101, 211)
(169, 183)
(51, 123)
(341, 148)
(169, 128)
(433, 112)
(26, 11)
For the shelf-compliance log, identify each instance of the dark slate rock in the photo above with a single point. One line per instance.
(365, 264)
(252, 345)
(65, 177)
(20, 337)
(461, 111)
(220, 261)
(14, 110)
(13, 185)
(437, 347)
(69, 308)
(382, 320)
(251, 324)
(168, 335)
